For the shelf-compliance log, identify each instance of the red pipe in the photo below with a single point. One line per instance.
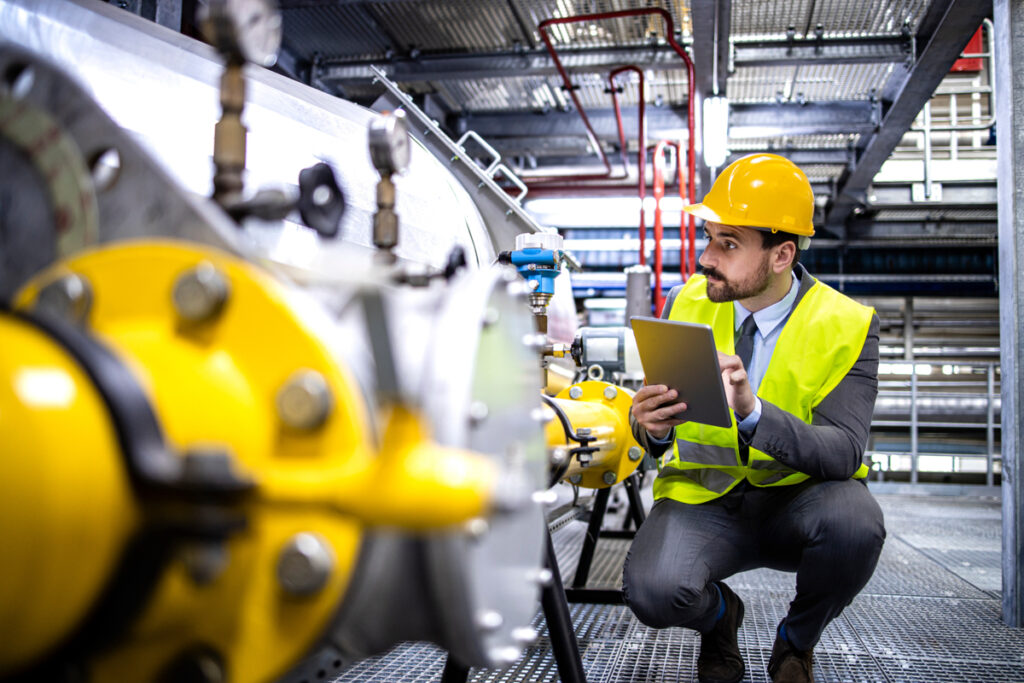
(659, 228)
(669, 37)
(641, 159)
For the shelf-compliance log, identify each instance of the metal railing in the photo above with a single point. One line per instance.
(927, 409)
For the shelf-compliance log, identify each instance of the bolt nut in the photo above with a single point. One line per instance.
(542, 577)
(609, 477)
(204, 562)
(576, 393)
(304, 402)
(610, 393)
(491, 316)
(305, 564)
(524, 635)
(199, 294)
(477, 527)
(635, 453)
(68, 298)
(576, 478)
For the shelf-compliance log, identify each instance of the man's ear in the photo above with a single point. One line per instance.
(784, 255)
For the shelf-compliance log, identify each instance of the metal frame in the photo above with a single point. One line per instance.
(1009, 25)
(956, 22)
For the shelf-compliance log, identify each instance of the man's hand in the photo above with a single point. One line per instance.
(737, 388)
(653, 409)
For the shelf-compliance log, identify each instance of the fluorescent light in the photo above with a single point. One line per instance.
(716, 131)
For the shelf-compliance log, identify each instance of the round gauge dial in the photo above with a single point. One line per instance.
(249, 29)
(389, 142)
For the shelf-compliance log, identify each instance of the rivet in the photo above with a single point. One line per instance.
(478, 412)
(200, 293)
(68, 298)
(635, 453)
(304, 402)
(609, 477)
(477, 527)
(305, 564)
(610, 393)
(489, 620)
(576, 393)
(524, 635)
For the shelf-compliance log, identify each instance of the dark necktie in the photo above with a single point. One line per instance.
(745, 342)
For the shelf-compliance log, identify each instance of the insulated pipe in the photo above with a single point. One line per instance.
(591, 135)
(641, 156)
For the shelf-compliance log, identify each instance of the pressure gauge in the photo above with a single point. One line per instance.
(249, 30)
(389, 142)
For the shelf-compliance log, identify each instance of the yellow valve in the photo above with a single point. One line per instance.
(230, 366)
(602, 411)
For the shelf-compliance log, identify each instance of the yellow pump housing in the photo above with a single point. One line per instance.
(229, 369)
(602, 411)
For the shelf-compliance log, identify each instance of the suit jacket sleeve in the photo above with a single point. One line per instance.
(832, 446)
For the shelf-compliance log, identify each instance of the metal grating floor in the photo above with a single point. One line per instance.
(931, 613)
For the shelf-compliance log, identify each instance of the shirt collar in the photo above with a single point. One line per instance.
(767, 319)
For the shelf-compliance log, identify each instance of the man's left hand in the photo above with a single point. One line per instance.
(737, 388)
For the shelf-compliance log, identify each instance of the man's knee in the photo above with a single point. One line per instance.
(852, 521)
(660, 604)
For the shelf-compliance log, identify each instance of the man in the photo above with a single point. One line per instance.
(783, 487)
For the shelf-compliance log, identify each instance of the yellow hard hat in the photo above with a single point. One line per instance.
(762, 191)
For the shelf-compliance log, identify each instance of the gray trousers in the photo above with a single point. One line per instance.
(830, 533)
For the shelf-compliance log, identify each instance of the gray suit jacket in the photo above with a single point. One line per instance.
(832, 446)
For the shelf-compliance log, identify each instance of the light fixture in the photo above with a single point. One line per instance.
(716, 131)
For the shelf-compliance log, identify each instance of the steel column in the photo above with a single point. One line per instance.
(1009, 29)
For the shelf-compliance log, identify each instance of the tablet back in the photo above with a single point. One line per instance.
(683, 357)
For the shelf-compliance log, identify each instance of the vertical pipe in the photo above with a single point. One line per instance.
(990, 437)
(913, 423)
(641, 138)
(638, 292)
(1008, 19)
(954, 137)
(908, 328)
(659, 227)
(928, 149)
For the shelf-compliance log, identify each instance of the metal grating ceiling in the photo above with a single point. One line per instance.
(763, 19)
(815, 83)
(841, 141)
(431, 25)
(616, 32)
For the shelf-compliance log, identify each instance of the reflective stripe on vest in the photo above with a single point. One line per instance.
(705, 460)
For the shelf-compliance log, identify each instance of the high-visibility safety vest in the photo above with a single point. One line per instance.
(817, 347)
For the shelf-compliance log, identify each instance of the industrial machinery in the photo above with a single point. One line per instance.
(237, 446)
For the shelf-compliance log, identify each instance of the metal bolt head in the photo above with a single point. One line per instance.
(524, 635)
(635, 453)
(609, 477)
(304, 402)
(576, 478)
(304, 564)
(204, 562)
(477, 527)
(489, 620)
(503, 656)
(491, 316)
(610, 393)
(478, 412)
(68, 298)
(576, 393)
(199, 294)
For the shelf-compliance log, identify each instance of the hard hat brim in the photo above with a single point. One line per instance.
(703, 211)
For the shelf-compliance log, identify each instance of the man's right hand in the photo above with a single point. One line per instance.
(652, 408)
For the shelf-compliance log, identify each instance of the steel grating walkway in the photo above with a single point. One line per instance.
(931, 613)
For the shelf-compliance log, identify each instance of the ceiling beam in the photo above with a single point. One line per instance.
(958, 22)
(711, 26)
(828, 155)
(745, 121)
(537, 62)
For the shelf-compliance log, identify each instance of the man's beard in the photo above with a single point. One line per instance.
(724, 290)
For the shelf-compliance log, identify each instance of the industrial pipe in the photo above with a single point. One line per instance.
(641, 151)
(669, 37)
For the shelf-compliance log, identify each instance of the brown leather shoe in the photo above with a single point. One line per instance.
(789, 665)
(720, 660)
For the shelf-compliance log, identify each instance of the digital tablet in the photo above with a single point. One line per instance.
(682, 356)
